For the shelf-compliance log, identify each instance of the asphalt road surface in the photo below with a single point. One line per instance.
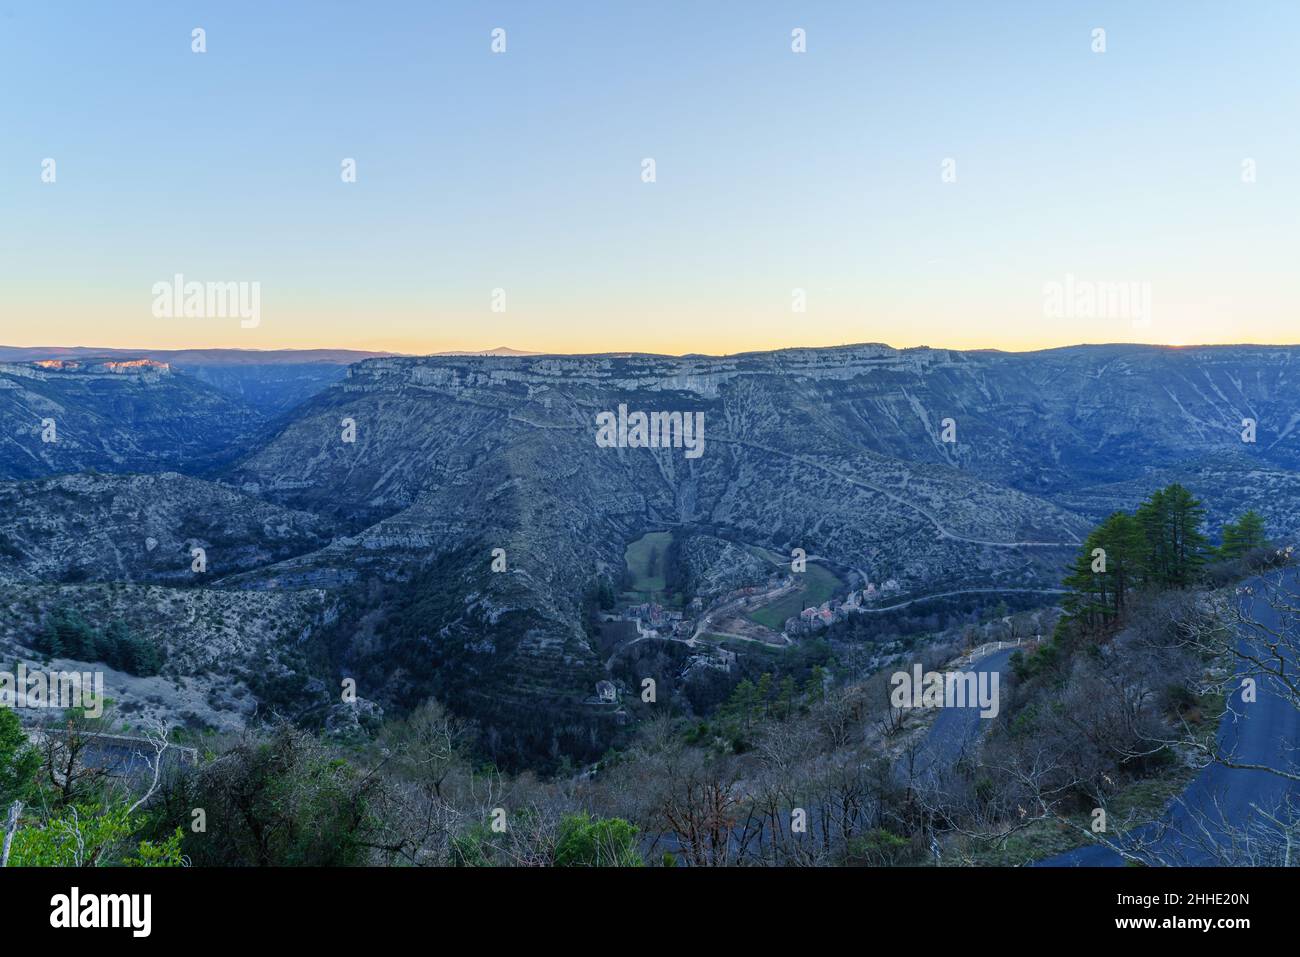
(1221, 801)
(957, 729)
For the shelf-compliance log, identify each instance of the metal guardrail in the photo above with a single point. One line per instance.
(989, 647)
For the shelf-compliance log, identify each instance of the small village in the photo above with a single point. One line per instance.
(721, 619)
(832, 610)
(654, 620)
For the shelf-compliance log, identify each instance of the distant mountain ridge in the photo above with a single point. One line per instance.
(498, 351)
(233, 357)
(192, 357)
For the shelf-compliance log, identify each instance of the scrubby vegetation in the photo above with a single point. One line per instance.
(67, 634)
(66, 811)
(795, 757)
(1118, 695)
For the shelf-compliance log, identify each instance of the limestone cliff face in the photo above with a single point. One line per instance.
(1040, 420)
(1026, 429)
(114, 415)
(45, 370)
(839, 451)
(391, 488)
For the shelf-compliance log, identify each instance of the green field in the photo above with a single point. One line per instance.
(638, 556)
(745, 647)
(818, 585)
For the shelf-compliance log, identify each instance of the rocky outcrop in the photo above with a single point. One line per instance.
(119, 415)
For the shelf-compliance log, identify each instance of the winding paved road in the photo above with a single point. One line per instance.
(964, 591)
(1265, 732)
(956, 729)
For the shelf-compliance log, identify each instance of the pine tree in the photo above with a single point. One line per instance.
(763, 692)
(742, 707)
(1186, 516)
(1153, 516)
(1087, 600)
(1243, 535)
(1106, 571)
(814, 688)
(1171, 521)
(48, 641)
(786, 696)
(1125, 544)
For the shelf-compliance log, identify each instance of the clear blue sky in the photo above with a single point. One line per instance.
(819, 171)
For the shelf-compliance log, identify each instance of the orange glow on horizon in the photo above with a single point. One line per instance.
(660, 329)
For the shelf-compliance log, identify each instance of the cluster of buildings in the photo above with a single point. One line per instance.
(872, 592)
(711, 656)
(828, 612)
(653, 617)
